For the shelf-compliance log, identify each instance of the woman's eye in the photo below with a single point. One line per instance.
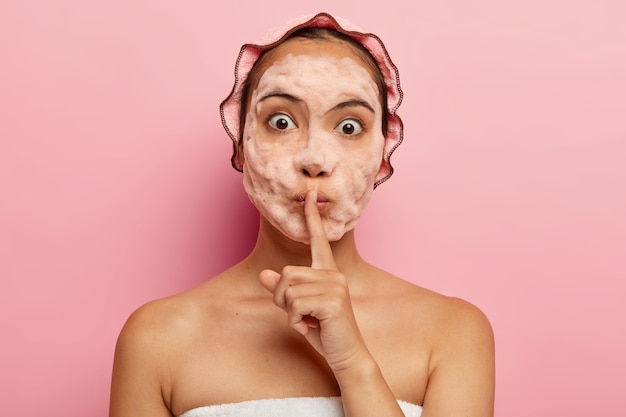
(282, 122)
(349, 127)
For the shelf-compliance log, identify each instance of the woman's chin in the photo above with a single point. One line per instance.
(300, 236)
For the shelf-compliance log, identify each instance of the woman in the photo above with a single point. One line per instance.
(304, 325)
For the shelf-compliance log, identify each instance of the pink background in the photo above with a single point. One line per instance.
(509, 191)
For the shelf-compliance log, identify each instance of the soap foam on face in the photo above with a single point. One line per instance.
(273, 169)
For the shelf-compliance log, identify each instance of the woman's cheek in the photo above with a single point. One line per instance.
(266, 162)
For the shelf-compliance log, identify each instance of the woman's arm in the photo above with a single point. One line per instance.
(138, 369)
(462, 365)
(365, 392)
(318, 305)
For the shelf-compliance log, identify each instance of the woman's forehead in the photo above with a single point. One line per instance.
(314, 48)
(316, 64)
(323, 77)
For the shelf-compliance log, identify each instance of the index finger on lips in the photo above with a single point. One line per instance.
(321, 253)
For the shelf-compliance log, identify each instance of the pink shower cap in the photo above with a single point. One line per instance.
(230, 108)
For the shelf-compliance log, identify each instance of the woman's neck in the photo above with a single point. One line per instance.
(273, 250)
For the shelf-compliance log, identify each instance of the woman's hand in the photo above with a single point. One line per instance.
(317, 300)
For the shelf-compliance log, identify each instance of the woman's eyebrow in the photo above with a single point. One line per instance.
(279, 94)
(355, 102)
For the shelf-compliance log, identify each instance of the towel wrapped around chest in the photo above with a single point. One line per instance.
(287, 407)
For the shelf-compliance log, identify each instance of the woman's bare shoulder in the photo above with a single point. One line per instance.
(180, 313)
(443, 315)
(457, 329)
(461, 349)
(154, 342)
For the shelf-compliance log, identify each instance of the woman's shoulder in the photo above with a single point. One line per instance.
(440, 315)
(458, 323)
(181, 315)
(454, 326)
(446, 310)
(179, 312)
(459, 343)
(150, 328)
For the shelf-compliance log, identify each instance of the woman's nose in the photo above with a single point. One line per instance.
(313, 171)
(317, 158)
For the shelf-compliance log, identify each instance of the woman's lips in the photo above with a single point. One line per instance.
(322, 200)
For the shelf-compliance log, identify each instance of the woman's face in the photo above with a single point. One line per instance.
(313, 123)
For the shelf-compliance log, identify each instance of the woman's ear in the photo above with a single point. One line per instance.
(237, 159)
(239, 153)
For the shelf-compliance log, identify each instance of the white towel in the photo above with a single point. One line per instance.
(287, 407)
